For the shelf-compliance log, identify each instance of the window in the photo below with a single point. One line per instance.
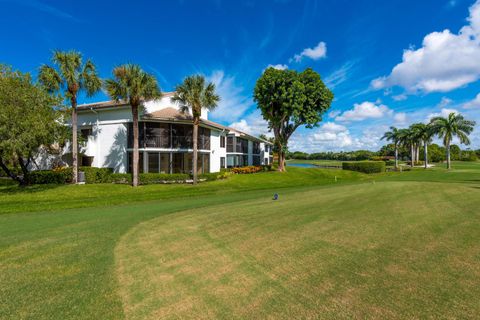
(266, 161)
(256, 160)
(86, 132)
(130, 161)
(203, 138)
(222, 141)
(164, 162)
(222, 162)
(86, 161)
(256, 147)
(153, 162)
(230, 144)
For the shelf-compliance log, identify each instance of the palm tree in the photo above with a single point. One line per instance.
(393, 135)
(407, 139)
(453, 125)
(130, 83)
(423, 134)
(71, 76)
(194, 94)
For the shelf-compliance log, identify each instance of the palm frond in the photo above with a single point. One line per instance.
(49, 78)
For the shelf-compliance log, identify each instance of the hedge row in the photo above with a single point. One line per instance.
(365, 166)
(250, 169)
(57, 176)
(151, 178)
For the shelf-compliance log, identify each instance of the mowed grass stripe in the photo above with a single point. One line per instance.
(396, 250)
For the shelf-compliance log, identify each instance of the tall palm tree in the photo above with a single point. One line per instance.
(193, 95)
(453, 125)
(130, 83)
(393, 135)
(407, 139)
(423, 134)
(71, 76)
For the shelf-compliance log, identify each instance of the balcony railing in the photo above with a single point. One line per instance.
(178, 142)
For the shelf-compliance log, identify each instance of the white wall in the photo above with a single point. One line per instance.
(216, 151)
(111, 147)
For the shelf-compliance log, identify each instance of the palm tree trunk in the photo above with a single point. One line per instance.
(135, 156)
(195, 149)
(448, 155)
(74, 140)
(412, 155)
(418, 153)
(396, 157)
(425, 153)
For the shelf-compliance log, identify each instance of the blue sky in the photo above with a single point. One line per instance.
(387, 62)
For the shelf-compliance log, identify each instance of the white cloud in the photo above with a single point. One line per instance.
(400, 97)
(400, 119)
(253, 124)
(335, 137)
(234, 101)
(444, 102)
(277, 66)
(320, 51)
(334, 113)
(339, 76)
(472, 104)
(446, 61)
(443, 113)
(365, 110)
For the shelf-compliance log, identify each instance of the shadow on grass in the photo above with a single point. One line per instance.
(14, 188)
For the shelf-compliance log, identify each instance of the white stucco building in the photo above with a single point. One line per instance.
(165, 139)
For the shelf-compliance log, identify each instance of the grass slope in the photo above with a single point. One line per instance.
(381, 250)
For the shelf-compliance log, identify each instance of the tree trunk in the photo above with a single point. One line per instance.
(135, 156)
(425, 154)
(417, 153)
(195, 149)
(396, 157)
(412, 155)
(21, 182)
(448, 155)
(74, 140)
(281, 161)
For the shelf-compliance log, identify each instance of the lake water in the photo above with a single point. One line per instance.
(301, 165)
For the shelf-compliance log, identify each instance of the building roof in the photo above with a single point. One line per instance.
(111, 103)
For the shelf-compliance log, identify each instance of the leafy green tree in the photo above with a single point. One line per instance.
(289, 99)
(28, 121)
(193, 95)
(393, 135)
(71, 77)
(436, 153)
(451, 126)
(130, 83)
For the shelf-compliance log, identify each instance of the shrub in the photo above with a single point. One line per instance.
(468, 156)
(97, 175)
(121, 178)
(365, 166)
(57, 176)
(248, 169)
(150, 178)
(214, 175)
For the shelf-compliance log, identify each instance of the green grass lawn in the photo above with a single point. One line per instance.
(398, 245)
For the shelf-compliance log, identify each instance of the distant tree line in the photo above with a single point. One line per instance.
(435, 153)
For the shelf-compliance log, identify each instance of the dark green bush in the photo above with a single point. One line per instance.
(96, 175)
(58, 176)
(149, 178)
(365, 166)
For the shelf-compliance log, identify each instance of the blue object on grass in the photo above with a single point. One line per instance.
(275, 196)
